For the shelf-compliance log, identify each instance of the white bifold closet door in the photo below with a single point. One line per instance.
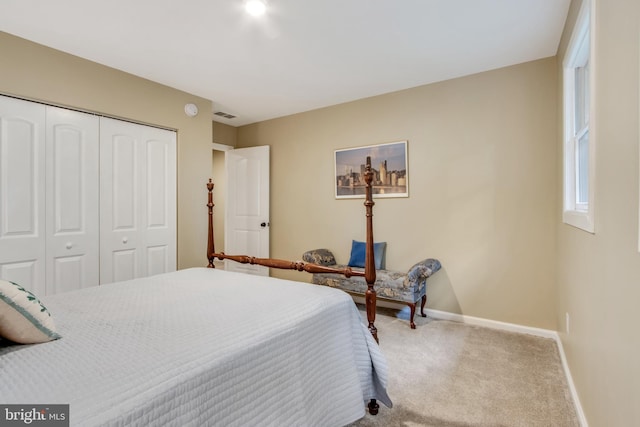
(48, 197)
(137, 199)
(84, 200)
(72, 215)
(22, 193)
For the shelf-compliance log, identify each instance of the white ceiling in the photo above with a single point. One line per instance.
(301, 55)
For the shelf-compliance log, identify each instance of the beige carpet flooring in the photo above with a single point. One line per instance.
(447, 373)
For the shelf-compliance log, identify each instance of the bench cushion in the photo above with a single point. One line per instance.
(406, 287)
(389, 284)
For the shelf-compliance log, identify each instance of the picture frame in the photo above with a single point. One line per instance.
(389, 163)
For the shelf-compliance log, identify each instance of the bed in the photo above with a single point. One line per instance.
(201, 347)
(179, 349)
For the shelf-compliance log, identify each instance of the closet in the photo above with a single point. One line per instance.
(84, 200)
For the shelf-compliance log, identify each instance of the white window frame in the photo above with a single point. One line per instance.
(580, 215)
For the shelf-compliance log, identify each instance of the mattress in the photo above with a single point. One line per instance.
(201, 347)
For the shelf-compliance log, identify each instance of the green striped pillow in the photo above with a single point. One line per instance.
(23, 318)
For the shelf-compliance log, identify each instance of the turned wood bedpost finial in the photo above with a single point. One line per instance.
(370, 265)
(210, 205)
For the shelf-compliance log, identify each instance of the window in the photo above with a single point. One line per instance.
(579, 144)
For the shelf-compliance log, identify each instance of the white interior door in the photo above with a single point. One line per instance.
(72, 200)
(247, 207)
(22, 193)
(137, 200)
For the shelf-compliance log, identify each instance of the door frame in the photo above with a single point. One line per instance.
(219, 195)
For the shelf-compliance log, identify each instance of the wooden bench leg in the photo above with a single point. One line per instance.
(413, 313)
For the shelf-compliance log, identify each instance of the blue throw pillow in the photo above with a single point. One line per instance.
(358, 250)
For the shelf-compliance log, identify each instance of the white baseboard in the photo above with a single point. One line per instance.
(574, 393)
(512, 327)
(493, 324)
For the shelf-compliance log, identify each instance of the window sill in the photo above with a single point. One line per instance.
(579, 219)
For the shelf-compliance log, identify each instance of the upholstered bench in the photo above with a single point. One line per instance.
(405, 288)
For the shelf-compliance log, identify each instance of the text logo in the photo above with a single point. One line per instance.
(34, 415)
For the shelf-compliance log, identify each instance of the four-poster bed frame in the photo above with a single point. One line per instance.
(176, 353)
(369, 272)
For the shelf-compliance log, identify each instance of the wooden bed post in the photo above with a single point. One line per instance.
(370, 265)
(370, 268)
(210, 205)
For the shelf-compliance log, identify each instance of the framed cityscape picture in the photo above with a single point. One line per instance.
(389, 166)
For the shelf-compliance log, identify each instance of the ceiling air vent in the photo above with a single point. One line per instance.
(225, 115)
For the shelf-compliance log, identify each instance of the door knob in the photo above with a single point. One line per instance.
(69, 245)
(264, 224)
(125, 240)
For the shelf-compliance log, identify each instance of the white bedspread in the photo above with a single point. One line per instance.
(201, 347)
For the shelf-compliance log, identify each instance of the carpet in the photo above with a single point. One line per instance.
(447, 373)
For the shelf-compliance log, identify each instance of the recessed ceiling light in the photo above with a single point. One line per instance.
(255, 7)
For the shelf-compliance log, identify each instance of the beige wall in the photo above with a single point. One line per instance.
(482, 181)
(224, 134)
(599, 274)
(36, 72)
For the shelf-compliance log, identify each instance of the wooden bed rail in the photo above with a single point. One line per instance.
(289, 265)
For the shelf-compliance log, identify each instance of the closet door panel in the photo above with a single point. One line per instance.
(124, 264)
(160, 209)
(22, 193)
(25, 273)
(119, 189)
(124, 184)
(157, 170)
(72, 200)
(120, 174)
(68, 273)
(138, 199)
(158, 259)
